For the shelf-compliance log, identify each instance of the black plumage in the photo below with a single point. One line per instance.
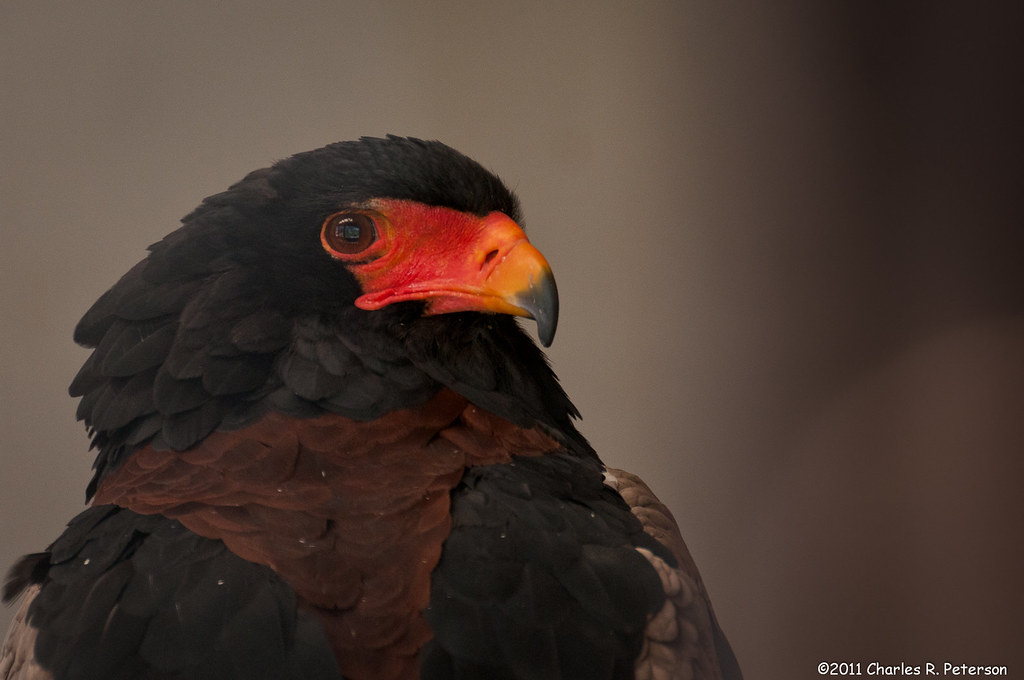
(541, 560)
(237, 290)
(133, 596)
(278, 448)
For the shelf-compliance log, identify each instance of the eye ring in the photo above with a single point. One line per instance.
(348, 233)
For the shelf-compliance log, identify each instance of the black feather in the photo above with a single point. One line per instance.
(182, 430)
(172, 395)
(126, 595)
(233, 375)
(28, 570)
(307, 378)
(124, 400)
(263, 331)
(540, 576)
(128, 348)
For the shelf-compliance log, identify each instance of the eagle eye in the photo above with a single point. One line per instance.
(348, 233)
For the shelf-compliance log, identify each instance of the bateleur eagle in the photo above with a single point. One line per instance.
(327, 450)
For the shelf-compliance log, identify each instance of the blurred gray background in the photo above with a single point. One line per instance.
(788, 239)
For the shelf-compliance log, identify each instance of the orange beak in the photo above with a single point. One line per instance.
(457, 262)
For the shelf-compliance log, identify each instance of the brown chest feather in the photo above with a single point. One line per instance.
(351, 514)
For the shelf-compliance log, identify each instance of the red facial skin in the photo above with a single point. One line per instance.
(454, 261)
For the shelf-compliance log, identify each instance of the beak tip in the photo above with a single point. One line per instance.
(542, 304)
(546, 335)
(546, 325)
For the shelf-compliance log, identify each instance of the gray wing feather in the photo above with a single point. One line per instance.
(17, 657)
(683, 640)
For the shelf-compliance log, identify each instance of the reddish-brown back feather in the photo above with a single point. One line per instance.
(351, 514)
